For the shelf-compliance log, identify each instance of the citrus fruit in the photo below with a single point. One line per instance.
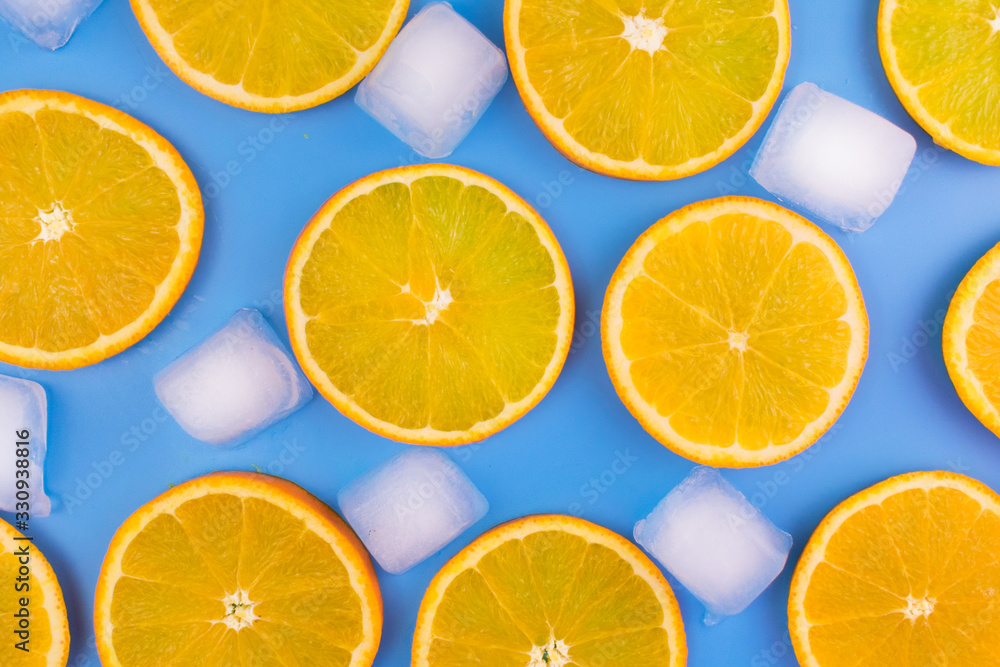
(271, 57)
(652, 89)
(46, 642)
(971, 340)
(100, 229)
(735, 332)
(903, 573)
(549, 590)
(430, 304)
(237, 568)
(942, 58)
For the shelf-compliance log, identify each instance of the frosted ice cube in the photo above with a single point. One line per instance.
(717, 544)
(234, 384)
(410, 507)
(48, 23)
(434, 82)
(833, 158)
(23, 408)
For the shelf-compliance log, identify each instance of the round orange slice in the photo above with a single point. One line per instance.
(31, 602)
(430, 304)
(552, 591)
(906, 572)
(100, 228)
(734, 330)
(650, 90)
(271, 57)
(971, 340)
(237, 568)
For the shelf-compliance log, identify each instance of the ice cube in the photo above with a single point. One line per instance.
(411, 506)
(717, 544)
(48, 23)
(832, 158)
(23, 419)
(234, 384)
(434, 82)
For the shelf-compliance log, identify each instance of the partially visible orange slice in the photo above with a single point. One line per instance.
(735, 332)
(549, 590)
(267, 56)
(237, 568)
(971, 340)
(904, 573)
(942, 58)
(649, 90)
(100, 228)
(46, 642)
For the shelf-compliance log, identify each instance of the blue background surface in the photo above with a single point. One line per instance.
(110, 450)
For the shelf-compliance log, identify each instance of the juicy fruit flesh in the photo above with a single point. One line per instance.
(549, 598)
(949, 52)
(41, 624)
(87, 230)
(272, 50)
(983, 343)
(657, 82)
(223, 580)
(915, 574)
(736, 333)
(431, 305)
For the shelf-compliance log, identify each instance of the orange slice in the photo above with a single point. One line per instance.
(237, 568)
(430, 304)
(100, 229)
(735, 332)
(46, 643)
(648, 89)
(942, 58)
(267, 56)
(971, 340)
(550, 591)
(903, 573)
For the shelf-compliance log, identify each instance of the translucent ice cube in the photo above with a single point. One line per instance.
(48, 23)
(234, 384)
(23, 409)
(410, 507)
(717, 544)
(434, 82)
(833, 158)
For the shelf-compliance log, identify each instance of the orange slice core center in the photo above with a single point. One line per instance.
(644, 34)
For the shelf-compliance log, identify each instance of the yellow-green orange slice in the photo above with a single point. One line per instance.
(942, 58)
(430, 304)
(648, 89)
(267, 56)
